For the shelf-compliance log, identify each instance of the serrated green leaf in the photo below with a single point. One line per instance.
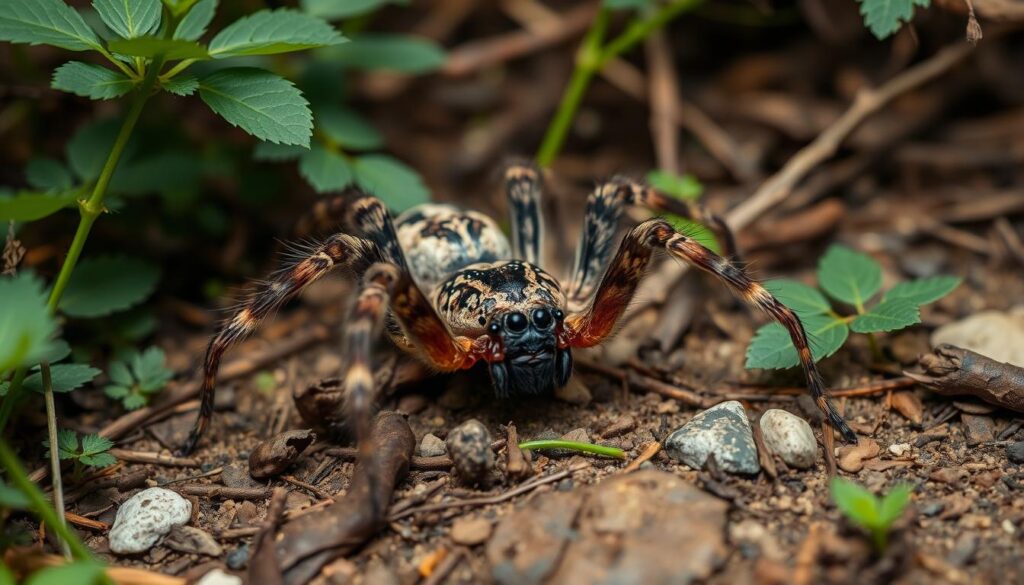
(325, 170)
(268, 32)
(26, 326)
(95, 444)
(888, 315)
(680, 187)
(150, 47)
(924, 290)
(884, 17)
(268, 151)
(337, 9)
(261, 103)
(107, 284)
(855, 502)
(29, 206)
(67, 444)
(76, 573)
(47, 174)
(91, 81)
(63, 377)
(129, 18)
(134, 401)
(45, 22)
(98, 460)
(149, 369)
(116, 392)
(195, 22)
(893, 504)
(772, 347)
(397, 185)
(182, 85)
(399, 53)
(805, 300)
(849, 276)
(347, 128)
(57, 351)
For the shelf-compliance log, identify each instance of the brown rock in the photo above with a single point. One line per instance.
(909, 405)
(978, 429)
(188, 539)
(274, 455)
(528, 543)
(852, 457)
(471, 531)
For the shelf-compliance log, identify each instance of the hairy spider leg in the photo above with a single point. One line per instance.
(593, 324)
(604, 209)
(523, 190)
(340, 250)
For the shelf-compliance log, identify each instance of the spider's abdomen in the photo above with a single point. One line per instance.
(438, 240)
(467, 299)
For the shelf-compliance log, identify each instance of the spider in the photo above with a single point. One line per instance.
(450, 288)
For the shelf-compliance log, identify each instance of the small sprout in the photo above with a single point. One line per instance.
(92, 452)
(876, 515)
(852, 279)
(138, 377)
(613, 452)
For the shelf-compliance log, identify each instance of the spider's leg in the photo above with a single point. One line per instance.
(370, 218)
(605, 206)
(340, 250)
(590, 326)
(523, 189)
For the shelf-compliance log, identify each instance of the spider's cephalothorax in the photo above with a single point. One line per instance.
(453, 291)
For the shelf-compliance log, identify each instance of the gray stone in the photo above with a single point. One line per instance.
(1015, 452)
(145, 518)
(790, 437)
(431, 446)
(469, 446)
(722, 430)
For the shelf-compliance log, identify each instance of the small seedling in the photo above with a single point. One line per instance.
(137, 377)
(92, 452)
(874, 514)
(885, 17)
(613, 452)
(852, 279)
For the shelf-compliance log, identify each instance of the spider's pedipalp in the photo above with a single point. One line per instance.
(340, 250)
(590, 326)
(523, 190)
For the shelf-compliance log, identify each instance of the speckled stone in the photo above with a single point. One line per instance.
(723, 430)
(145, 518)
(790, 437)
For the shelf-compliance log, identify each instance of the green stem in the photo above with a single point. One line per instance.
(17, 476)
(613, 452)
(638, 30)
(89, 210)
(117, 62)
(183, 65)
(876, 351)
(51, 431)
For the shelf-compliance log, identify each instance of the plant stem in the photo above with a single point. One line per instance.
(613, 452)
(183, 65)
(117, 62)
(876, 351)
(638, 30)
(51, 431)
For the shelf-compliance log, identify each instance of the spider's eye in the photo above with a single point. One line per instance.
(542, 318)
(494, 327)
(559, 315)
(516, 322)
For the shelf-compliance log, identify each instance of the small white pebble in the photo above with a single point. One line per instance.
(1008, 527)
(219, 577)
(899, 449)
(145, 518)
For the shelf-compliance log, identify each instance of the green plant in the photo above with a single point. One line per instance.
(874, 514)
(601, 450)
(885, 17)
(852, 279)
(137, 377)
(90, 451)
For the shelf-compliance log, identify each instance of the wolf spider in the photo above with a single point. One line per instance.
(488, 300)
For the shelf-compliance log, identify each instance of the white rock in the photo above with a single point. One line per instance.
(899, 449)
(722, 430)
(219, 577)
(145, 518)
(431, 446)
(993, 334)
(790, 437)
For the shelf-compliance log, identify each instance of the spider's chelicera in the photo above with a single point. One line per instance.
(448, 287)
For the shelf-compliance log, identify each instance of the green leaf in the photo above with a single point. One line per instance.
(29, 206)
(167, 173)
(149, 369)
(772, 347)
(63, 377)
(58, 350)
(116, 392)
(259, 102)
(181, 85)
(179, 7)
(134, 401)
(195, 22)
(45, 22)
(67, 444)
(76, 573)
(91, 81)
(268, 32)
(388, 52)
(893, 504)
(47, 174)
(13, 499)
(325, 170)
(849, 276)
(805, 300)
(924, 290)
(337, 9)
(26, 326)
(347, 128)
(90, 145)
(884, 17)
(98, 460)
(856, 503)
(129, 18)
(396, 184)
(888, 315)
(693, 230)
(680, 187)
(268, 151)
(107, 284)
(150, 47)
(95, 444)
